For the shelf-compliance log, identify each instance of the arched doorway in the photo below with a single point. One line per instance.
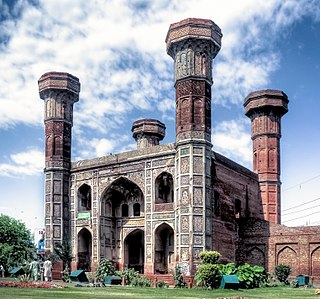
(134, 250)
(84, 250)
(164, 249)
(121, 201)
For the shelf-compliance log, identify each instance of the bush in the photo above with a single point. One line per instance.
(141, 281)
(209, 257)
(282, 273)
(129, 275)
(178, 278)
(162, 284)
(228, 269)
(251, 276)
(105, 268)
(208, 275)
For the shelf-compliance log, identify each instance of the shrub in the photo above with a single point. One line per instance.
(208, 275)
(228, 269)
(162, 284)
(105, 268)
(66, 274)
(141, 281)
(128, 274)
(209, 257)
(282, 273)
(178, 278)
(251, 276)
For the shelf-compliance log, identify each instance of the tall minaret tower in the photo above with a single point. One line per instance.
(193, 44)
(59, 91)
(265, 109)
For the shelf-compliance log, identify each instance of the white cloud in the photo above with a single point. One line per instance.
(117, 50)
(30, 162)
(233, 139)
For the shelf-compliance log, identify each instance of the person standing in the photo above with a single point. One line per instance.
(2, 270)
(47, 270)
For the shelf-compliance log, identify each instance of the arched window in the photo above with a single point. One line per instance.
(124, 210)
(84, 198)
(136, 209)
(164, 188)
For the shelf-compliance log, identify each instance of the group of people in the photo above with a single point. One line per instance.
(36, 269)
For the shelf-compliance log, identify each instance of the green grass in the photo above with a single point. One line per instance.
(149, 293)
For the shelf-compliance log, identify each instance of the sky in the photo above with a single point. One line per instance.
(117, 50)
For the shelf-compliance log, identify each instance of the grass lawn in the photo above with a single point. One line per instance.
(148, 293)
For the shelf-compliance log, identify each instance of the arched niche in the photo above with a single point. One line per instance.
(315, 262)
(256, 256)
(164, 188)
(84, 198)
(134, 250)
(121, 191)
(286, 256)
(164, 249)
(84, 250)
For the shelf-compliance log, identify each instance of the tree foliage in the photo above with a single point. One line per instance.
(16, 246)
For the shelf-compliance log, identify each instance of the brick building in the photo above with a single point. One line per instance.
(161, 204)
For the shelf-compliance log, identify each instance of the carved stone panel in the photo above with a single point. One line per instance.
(184, 224)
(197, 196)
(198, 166)
(197, 223)
(185, 254)
(185, 196)
(185, 167)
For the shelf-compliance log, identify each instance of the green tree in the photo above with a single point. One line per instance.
(16, 246)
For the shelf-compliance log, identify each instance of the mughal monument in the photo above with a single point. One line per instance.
(162, 204)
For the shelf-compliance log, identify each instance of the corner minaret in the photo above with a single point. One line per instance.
(265, 109)
(193, 44)
(59, 91)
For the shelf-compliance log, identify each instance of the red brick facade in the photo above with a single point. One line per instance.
(161, 205)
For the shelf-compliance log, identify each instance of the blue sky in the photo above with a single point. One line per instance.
(117, 50)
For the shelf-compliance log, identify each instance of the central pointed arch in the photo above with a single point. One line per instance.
(121, 202)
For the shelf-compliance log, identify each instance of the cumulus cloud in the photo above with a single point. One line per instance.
(30, 162)
(233, 139)
(117, 50)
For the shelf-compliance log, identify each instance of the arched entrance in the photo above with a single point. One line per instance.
(121, 201)
(164, 249)
(134, 250)
(84, 250)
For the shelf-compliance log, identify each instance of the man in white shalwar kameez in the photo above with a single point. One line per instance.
(47, 270)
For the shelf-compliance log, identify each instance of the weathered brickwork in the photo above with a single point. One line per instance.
(162, 204)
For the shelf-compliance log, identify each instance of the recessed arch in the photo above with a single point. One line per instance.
(120, 191)
(84, 198)
(134, 250)
(285, 256)
(84, 249)
(315, 262)
(164, 249)
(164, 188)
(256, 256)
